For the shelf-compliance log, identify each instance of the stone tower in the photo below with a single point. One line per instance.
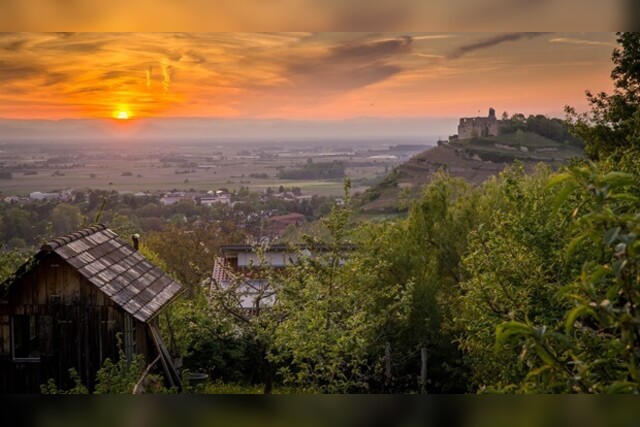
(478, 127)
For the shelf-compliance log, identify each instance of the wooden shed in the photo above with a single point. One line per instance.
(64, 307)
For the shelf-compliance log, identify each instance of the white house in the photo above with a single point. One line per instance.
(211, 200)
(171, 198)
(239, 270)
(37, 195)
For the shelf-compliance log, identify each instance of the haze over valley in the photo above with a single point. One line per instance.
(320, 213)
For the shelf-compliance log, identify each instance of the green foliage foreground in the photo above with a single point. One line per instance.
(595, 346)
(527, 283)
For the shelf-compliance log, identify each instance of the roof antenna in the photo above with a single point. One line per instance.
(136, 241)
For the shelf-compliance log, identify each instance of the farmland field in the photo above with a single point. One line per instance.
(199, 166)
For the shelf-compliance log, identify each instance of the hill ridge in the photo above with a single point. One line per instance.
(473, 160)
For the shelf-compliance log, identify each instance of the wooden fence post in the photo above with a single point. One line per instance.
(387, 361)
(423, 369)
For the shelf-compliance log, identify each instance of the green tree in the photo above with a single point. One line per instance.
(512, 265)
(612, 126)
(209, 341)
(256, 326)
(123, 225)
(429, 256)
(18, 222)
(150, 210)
(595, 346)
(65, 218)
(189, 249)
(328, 313)
(10, 260)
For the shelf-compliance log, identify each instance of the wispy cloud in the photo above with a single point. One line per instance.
(15, 45)
(148, 77)
(283, 75)
(583, 42)
(348, 65)
(434, 37)
(422, 37)
(428, 55)
(167, 70)
(13, 70)
(490, 42)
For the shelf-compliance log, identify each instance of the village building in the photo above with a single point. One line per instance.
(172, 198)
(38, 195)
(241, 268)
(210, 200)
(224, 199)
(277, 225)
(68, 306)
(11, 199)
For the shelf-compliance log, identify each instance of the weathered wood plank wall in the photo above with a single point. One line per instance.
(77, 327)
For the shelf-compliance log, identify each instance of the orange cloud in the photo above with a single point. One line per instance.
(294, 75)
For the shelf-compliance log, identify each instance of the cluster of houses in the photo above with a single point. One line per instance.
(205, 199)
(287, 196)
(209, 198)
(276, 225)
(62, 196)
(222, 196)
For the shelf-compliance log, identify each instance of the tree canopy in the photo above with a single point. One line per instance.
(612, 127)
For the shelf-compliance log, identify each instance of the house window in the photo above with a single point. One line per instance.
(25, 333)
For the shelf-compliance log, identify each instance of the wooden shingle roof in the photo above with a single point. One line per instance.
(118, 270)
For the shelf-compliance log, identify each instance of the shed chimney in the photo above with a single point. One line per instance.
(136, 241)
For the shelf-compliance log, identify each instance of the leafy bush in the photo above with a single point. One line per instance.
(113, 377)
(595, 346)
(121, 376)
(51, 388)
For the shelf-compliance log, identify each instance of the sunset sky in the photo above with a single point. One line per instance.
(298, 75)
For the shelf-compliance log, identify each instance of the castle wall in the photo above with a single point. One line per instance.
(479, 126)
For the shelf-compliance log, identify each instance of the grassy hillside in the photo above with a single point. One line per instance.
(524, 146)
(527, 139)
(473, 160)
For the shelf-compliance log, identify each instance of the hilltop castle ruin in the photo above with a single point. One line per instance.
(478, 127)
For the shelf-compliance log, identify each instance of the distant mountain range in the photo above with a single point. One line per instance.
(423, 129)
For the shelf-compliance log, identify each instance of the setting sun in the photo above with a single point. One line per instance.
(332, 76)
(122, 115)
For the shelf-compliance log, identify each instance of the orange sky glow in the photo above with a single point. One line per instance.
(297, 75)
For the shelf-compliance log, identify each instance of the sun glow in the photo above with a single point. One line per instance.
(122, 115)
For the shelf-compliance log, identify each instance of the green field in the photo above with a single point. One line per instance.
(144, 171)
